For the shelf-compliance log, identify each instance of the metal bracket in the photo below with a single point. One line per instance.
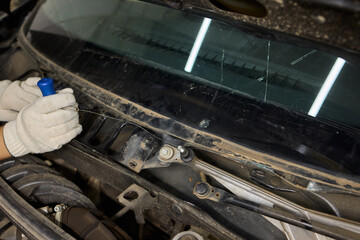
(137, 199)
(146, 157)
(269, 180)
(169, 154)
(142, 152)
(204, 190)
(58, 209)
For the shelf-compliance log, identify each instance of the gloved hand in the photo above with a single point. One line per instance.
(44, 125)
(14, 96)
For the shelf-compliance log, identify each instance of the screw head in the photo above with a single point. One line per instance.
(202, 189)
(204, 123)
(176, 209)
(132, 164)
(149, 139)
(166, 153)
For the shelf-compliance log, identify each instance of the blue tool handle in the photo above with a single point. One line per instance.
(46, 86)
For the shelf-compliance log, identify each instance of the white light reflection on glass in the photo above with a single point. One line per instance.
(197, 44)
(326, 87)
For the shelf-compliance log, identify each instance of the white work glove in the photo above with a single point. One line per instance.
(16, 95)
(44, 125)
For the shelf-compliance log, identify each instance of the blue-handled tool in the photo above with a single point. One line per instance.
(46, 86)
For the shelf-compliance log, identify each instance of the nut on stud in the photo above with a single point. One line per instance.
(185, 154)
(202, 189)
(166, 153)
(59, 208)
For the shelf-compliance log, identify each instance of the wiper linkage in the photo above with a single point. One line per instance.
(249, 196)
(204, 190)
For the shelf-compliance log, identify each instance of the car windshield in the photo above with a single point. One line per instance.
(211, 53)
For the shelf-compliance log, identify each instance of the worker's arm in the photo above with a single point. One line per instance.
(43, 126)
(4, 153)
(14, 96)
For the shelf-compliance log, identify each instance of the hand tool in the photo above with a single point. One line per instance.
(46, 86)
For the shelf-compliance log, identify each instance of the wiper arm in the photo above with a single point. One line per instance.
(253, 198)
(205, 191)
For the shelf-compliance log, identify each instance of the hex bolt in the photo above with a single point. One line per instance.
(59, 207)
(166, 153)
(202, 189)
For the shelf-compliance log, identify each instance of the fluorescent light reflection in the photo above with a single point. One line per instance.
(326, 87)
(197, 44)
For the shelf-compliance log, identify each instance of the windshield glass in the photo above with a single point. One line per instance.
(267, 95)
(211, 53)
